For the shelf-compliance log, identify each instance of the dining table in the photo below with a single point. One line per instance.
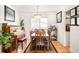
(40, 41)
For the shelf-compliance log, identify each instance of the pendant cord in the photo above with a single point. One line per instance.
(37, 8)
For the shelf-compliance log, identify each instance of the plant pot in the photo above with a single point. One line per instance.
(4, 50)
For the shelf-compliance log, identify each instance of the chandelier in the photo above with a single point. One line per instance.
(37, 15)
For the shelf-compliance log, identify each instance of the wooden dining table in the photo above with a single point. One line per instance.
(45, 35)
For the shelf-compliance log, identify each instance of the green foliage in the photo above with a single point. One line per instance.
(5, 39)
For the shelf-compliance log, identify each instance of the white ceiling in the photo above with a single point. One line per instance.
(42, 8)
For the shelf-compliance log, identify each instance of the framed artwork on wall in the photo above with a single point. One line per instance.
(77, 20)
(9, 14)
(75, 16)
(73, 13)
(68, 27)
(73, 21)
(59, 17)
(77, 10)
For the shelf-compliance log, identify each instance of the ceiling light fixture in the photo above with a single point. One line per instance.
(37, 15)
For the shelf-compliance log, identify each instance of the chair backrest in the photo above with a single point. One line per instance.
(39, 36)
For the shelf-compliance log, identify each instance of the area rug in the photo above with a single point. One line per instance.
(51, 50)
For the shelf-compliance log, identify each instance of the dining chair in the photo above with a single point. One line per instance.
(33, 44)
(39, 40)
(46, 44)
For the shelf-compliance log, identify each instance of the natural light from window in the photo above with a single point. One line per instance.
(41, 23)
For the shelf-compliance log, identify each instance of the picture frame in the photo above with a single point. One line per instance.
(75, 16)
(59, 17)
(77, 10)
(9, 14)
(77, 20)
(68, 27)
(73, 12)
(73, 21)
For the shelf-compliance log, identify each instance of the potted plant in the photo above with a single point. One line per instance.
(5, 41)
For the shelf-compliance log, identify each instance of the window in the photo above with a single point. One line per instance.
(41, 23)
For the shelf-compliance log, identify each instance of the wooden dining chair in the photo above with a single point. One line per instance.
(33, 44)
(46, 44)
(39, 40)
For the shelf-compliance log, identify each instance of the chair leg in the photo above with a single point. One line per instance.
(16, 49)
(39, 47)
(36, 47)
(22, 45)
(44, 48)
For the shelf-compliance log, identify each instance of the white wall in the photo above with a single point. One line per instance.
(74, 39)
(68, 39)
(1, 13)
(2, 16)
(51, 18)
(63, 36)
(61, 29)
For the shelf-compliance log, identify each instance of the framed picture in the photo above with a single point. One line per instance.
(73, 12)
(9, 14)
(68, 27)
(77, 10)
(73, 21)
(75, 16)
(59, 17)
(77, 20)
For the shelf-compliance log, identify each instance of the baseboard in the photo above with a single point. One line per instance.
(27, 47)
(54, 47)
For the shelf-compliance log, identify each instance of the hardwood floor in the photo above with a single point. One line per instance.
(56, 47)
(51, 50)
(60, 48)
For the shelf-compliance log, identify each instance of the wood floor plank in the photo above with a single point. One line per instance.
(60, 48)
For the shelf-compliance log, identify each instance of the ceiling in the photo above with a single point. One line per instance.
(42, 8)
